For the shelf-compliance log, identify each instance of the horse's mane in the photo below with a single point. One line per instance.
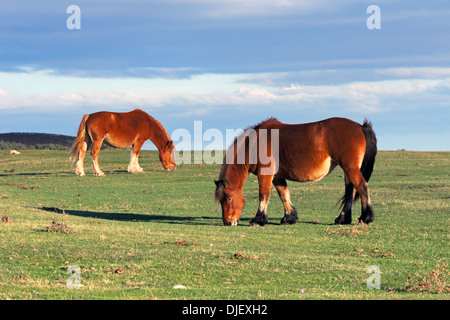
(223, 169)
(161, 133)
(256, 126)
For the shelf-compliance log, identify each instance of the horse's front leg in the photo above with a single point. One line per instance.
(290, 213)
(134, 166)
(261, 217)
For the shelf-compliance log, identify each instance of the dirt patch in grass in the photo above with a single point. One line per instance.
(116, 271)
(355, 230)
(6, 219)
(62, 227)
(434, 281)
(21, 186)
(182, 243)
(242, 255)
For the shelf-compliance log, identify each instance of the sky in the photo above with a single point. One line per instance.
(230, 64)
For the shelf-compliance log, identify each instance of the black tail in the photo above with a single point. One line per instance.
(371, 151)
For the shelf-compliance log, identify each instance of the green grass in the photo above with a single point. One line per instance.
(136, 236)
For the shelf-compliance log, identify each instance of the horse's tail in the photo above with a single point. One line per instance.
(371, 151)
(81, 136)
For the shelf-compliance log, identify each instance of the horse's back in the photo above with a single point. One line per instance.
(310, 151)
(109, 117)
(120, 129)
(329, 136)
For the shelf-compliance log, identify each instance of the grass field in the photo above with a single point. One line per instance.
(136, 236)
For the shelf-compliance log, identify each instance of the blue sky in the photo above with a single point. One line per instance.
(230, 64)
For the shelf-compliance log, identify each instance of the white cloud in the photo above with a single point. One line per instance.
(202, 94)
(256, 95)
(252, 8)
(416, 73)
(422, 96)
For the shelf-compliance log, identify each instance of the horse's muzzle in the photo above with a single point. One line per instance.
(232, 222)
(171, 168)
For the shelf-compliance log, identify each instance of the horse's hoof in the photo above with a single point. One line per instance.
(99, 174)
(255, 223)
(136, 170)
(287, 223)
(289, 220)
(341, 219)
(365, 221)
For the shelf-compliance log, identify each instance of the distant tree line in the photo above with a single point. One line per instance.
(5, 145)
(39, 141)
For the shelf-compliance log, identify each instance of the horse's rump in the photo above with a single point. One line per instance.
(80, 139)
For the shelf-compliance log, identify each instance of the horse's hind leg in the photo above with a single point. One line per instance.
(81, 155)
(356, 178)
(347, 202)
(95, 152)
(265, 183)
(290, 213)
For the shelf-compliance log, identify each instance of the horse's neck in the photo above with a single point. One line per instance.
(158, 135)
(236, 174)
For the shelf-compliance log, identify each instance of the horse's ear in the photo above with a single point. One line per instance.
(222, 182)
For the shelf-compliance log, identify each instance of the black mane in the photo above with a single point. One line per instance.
(223, 169)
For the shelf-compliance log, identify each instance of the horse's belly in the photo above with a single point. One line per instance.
(118, 142)
(322, 171)
(313, 171)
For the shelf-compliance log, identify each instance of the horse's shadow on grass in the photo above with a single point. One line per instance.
(134, 217)
(158, 218)
(28, 174)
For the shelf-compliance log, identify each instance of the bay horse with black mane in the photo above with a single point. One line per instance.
(298, 152)
(121, 129)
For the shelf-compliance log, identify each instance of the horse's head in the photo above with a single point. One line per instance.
(232, 201)
(167, 156)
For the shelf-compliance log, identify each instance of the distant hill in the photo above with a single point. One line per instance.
(26, 140)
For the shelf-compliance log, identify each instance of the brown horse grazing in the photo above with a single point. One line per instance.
(297, 152)
(121, 130)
